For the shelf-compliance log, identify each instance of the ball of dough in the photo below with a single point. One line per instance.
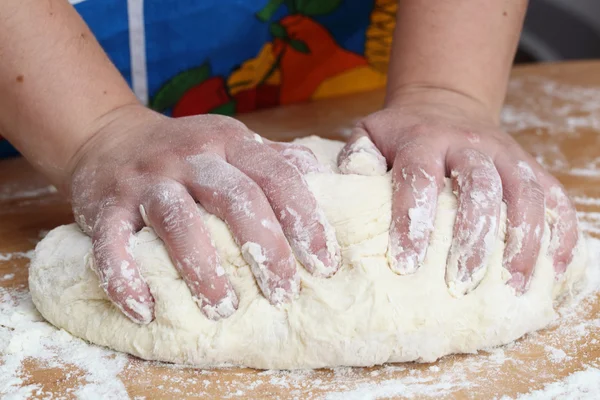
(364, 315)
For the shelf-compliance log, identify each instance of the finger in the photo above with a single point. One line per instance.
(173, 214)
(525, 212)
(303, 222)
(417, 176)
(117, 270)
(563, 225)
(360, 156)
(299, 156)
(230, 195)
(479, 190)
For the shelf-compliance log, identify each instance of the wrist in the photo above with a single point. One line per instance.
(108, 131)
(442, 100)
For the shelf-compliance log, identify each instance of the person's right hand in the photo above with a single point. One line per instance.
(143, 161)
(428, 134)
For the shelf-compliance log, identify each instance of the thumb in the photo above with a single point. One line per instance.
(360, 156)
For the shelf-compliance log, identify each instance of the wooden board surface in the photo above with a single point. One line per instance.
(553, 111)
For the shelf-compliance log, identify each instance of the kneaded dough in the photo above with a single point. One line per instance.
(364, 315)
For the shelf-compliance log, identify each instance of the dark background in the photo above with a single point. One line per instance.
(557, 30)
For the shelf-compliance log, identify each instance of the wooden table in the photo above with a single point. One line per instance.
(548, 115)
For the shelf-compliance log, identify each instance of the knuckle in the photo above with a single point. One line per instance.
(412, 149)
(282, 174)
(485, 178)
(479, 186)
(472, 157)
(560, 204)
(534, 194)
(226, 124)
(475, 170)
(421, 129)
(420, 169)
(418, 179)
(416, 151)
(172, 219)
(239, 131)
(245, 196)
(165, 194)
(285, 174)
(528, 192)
(112, 222)
(522, 191)
(254, 193)
(411, 152)
(168, 209)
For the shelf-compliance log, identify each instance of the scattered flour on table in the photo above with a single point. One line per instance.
(549, 112)
(26, 338)
(586, 201)
(8, 192)
(556, 355)
(16, 254)
(581, 385)
(13, 197)
(553, 120)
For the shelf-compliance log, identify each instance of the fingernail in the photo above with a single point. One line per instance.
(327, 259)
(406, 263)
(403, 261)
(363, 158)
(325, 263)
(329, 256)
(519, 282)
(138, 307)
(460, 279)
(560, 268)
(276, 289)
(316, 264)
(468, 262)
(284, 291)
(138, 311)
(224, 308)
(304, 160)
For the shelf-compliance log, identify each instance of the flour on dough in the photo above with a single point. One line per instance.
(364, 315)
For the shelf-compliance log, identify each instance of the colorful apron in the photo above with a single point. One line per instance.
(186, 57)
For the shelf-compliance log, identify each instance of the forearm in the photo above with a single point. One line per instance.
(56, 83)
(464, 47)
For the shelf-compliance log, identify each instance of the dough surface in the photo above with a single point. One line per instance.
(364, 315)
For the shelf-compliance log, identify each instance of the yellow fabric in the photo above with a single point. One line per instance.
(380, 33)
(355, 80)
(254, 70)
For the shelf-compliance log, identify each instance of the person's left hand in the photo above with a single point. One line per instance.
(431, 135)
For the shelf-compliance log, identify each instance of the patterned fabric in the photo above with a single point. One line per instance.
(186, 57)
